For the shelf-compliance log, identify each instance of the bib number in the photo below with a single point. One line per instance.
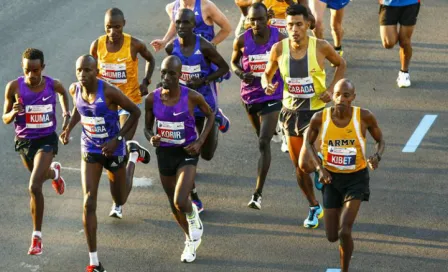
(95, 127)
(301, 87)
(171, 132)
(39, 116)
(114, 72)
(342, 158)
(257, 64)
(190, 72)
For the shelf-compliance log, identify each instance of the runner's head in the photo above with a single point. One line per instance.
(344, 94)
(113, 23)
(258, 17)
(297, 22)
(171, 71)
(86, 70)
(185, 22)
(33, 65)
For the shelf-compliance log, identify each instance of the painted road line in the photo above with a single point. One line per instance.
(419, 133)
(333, 270)
(137, 182)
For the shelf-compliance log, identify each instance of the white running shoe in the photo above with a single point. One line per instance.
(284, 147)
(195, 227)
(255, 202)
(189, 254)
(403, 80)
(277, 138)
(117, 211)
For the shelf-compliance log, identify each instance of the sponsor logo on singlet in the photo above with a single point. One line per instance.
(257, 63)
(114, 72)
(190, 72)
(171, 132)
(39, 116)
(341, 156)
(301, 87)
(94, 127)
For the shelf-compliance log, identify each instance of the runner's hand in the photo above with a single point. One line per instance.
(326, 96)
(17, 107)
(247, 77)
(158, 44)
(194, 148)
(195, 83)
(64, 137)
(109, 147)
(271, 88)
(271, 13)
(65, 122)
(155, 140)
(144, 89)
(324, 176)
(373, 162)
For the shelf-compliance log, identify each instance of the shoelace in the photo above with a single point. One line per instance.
(311, 214)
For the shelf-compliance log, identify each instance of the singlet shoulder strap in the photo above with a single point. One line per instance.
(326, 119)
(357, 124)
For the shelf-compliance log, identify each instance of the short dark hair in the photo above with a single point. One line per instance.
(33, 54)
(297, 9)
(259, 5)
(115, 12)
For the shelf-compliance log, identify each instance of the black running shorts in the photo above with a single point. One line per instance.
(29, 148)
(405, 15)
(263, 107)
(111, 164)
(294, 123)
(346, 187)
(170, 159)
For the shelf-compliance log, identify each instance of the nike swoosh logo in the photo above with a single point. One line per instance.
(177, 113)
(270, 105)
(121, 59)
(46, 98)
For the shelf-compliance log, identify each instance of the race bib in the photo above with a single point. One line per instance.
(342, 158)
(189, 72)
(39, 116)
(94, 127)
(301, 87)
(171, 132)
(114, 72)
(280, 24)
(257, 63)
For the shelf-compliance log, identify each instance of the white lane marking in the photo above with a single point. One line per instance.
(31, 267)
(333, 270)
(419, 133)
(138, 182)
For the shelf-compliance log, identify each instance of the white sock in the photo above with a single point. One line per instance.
(94, 258)
(37, 233)
(133, 156)
(56, 173)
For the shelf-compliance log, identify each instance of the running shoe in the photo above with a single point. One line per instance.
(143, 154)
(59, 183)
(117, 211)
(403, 80)
(223, 121)
(95, 268)
(255, 202)
(277, 138)
(36, 246)
(284, 147)
(317, 183)
(198, 204)
(314, 214)
(340, 53)
(195, 227)
(189, 253)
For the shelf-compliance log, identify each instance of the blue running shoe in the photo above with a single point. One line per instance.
(312, 221)
(199, 205)
(223, 121)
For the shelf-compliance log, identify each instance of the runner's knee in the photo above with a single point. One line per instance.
(89, 203)
(181, 204)
(345, 232)
(263, 143)
(404, 42)
(332, 237)
(389, 43)
(35, 189)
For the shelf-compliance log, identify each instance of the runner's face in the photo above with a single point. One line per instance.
(114, 27)
(170, 75)
(296, 26)
(86, 71)
(32, 69)
(343, 97)
(185, 24)
(258, 19)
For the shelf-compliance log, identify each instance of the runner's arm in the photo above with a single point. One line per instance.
(9, 109)
(236, 56)
(310, 137)
(375, 131)
(221, 20)
(213, 56)
(94, 49)
(76, 117)
(332, 56)
(199, 101)
(149, 116)
(120, 99)
(150, 61)
(63, 100)
(170, 33)
(272, 65)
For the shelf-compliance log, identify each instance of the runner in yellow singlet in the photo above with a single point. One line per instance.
(343, 170)
(300, 59)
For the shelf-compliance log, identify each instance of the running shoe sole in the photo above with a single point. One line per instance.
(141, 147)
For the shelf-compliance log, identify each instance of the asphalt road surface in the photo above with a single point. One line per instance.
(402, 228)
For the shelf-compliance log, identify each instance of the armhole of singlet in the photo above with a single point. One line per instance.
(311, 58)
(285, 58)
(357, 125)
(326, 119)
(100, 47)
(50, 83)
